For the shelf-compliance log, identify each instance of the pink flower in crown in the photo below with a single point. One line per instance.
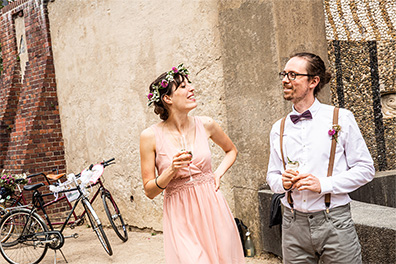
(175, 70)
(164, 83)
(149, 96)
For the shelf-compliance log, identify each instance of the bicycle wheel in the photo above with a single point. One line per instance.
(25, 243)
(114, 215)
(7, 204)
(97, 226)
(3, 211)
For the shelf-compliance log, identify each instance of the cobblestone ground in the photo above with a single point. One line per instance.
(141, 248)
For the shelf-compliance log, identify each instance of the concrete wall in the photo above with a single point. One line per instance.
(107, 52)
(257, 38)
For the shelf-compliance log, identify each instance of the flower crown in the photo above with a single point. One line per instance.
(154, 96)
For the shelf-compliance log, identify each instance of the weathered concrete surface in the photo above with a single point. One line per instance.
(257, 39)
(375, 225)
(381, 190)
(271, 237)
(107, 52)
(376, 228)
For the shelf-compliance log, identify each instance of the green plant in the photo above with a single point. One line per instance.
(9, 181)
(8, 1)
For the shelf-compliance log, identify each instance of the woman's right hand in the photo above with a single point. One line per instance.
(181, 160)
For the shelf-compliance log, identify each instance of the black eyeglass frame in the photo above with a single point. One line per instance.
(282, 75)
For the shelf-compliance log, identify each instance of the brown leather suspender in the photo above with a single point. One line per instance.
(332, 154)
(331, 159)
(282, 128)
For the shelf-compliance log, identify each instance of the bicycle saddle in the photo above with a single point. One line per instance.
(55, 176)
(33, 187)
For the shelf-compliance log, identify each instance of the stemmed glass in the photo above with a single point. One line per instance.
(292, 165)
(185, 148)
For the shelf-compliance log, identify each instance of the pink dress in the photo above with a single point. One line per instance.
(199, 227)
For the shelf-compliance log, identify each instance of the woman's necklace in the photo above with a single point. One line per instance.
(182, 139)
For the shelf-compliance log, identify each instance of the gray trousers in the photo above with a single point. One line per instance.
(320, 237)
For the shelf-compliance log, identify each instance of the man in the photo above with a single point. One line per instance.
(313, 230)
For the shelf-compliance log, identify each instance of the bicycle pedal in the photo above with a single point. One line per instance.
(75, 235)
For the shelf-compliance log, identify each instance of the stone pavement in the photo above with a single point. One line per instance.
(142, 247)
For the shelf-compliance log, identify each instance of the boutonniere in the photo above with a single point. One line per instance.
(333, 132)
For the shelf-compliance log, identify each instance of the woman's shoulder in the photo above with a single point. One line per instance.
(206, 121)
(149, 132)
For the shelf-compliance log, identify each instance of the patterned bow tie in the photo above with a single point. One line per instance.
(306, 115)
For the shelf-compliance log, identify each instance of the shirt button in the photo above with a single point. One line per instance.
(304, 201)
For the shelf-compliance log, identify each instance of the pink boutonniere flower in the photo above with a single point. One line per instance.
(333, 132)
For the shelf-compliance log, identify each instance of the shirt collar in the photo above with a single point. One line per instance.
(314, 108)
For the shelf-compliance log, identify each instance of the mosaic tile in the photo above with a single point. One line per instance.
(361, 50)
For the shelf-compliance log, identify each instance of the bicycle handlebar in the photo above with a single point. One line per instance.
(108, 162)
(38, 174)
(104, 163)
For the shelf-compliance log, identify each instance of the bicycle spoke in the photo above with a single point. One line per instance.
(23, 244)
(114, 216)
(97, 227)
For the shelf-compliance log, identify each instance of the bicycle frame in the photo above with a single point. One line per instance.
(99, 190)
(43, 205)
(63, 197)
(21, 199)
(46, 236)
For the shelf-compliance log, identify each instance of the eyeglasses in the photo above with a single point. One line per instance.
(292, 75)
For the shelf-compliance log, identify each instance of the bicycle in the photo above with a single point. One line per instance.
(111, 208)
(31, 236)
(7, 203)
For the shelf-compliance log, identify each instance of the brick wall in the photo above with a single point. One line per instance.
(30, 130)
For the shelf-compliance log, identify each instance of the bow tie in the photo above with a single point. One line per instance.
(306, 115)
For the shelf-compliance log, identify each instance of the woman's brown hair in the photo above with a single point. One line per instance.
(160, 107)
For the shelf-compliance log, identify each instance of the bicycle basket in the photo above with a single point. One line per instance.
(64, 186)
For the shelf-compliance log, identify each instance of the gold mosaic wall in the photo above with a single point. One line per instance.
(361, 47)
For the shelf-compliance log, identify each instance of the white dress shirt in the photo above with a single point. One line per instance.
(309, 143)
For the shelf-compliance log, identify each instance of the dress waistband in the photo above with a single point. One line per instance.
(179, 184)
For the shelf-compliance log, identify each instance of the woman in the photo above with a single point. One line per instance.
(198, 224)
